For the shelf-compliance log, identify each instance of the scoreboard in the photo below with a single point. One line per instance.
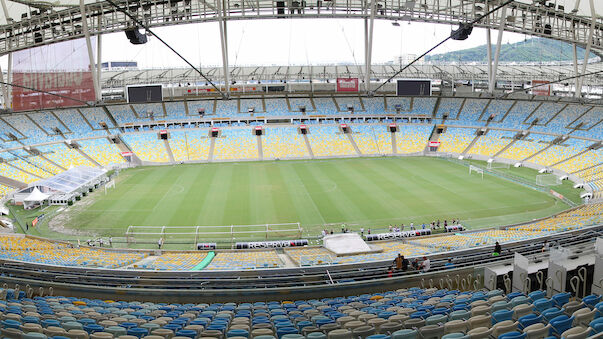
(417, 87)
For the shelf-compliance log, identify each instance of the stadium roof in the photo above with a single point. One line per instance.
(67, 182)
(267, 74)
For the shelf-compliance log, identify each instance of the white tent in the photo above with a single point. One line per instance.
(34, 199)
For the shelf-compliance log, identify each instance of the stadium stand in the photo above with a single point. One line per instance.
(26, 128)
(577, 218)
(521, 149)
(450, 107)
(13, 173)
(328, 140)
(145, 111)
(400, 314)
(424, 106)
(297, 102)
(226, 108)
(517, 114)
(471, 112)
(236, 144)
(455, 140)
(123, 114)
(344, 102)
(283, 142)
(590, 124)
(176, 110)
(545, 113)
(277, 107)
(245, 260)
(207, 105)
(24, 165)
(96, 116)
(586, 160)
(557, 153)
(36, 160)
(101, 150)
(47, 121)
(366, 139)
(5, 190)
(497, 108)
(79, 127)
(190, 144)
(255, 104)
(374, 105)
(175, 261)
(147, 146)
(492, 143)
(565, 118)
(325, 106)
(64, 156)
(412, 138)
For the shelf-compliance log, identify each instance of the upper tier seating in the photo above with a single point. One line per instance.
(279, 107)
(27, 128)
(516, 115)
(403, 102)
(47, 121)
(325, 106)
(123, 114)
(176, 110)
(471, 112)
(145, 111)
(95, 116)
(76, 123)
(498, 108)
(449, 106)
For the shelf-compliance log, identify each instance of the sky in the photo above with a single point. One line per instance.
(288, 42)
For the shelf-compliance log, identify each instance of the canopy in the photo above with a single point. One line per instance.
(36, 196)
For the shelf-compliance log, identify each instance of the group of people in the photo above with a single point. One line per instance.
(403, 264)
(433, 225)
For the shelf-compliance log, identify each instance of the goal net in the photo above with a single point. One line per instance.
(109, 185)
(218, 234)
(495, 165)
(477, 170)
(547, 180)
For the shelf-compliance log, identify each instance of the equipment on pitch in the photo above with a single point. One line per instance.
(475, 169)
(548, 180)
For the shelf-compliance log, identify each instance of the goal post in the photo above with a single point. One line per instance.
(548, 180)
(475, 169)
(109, 185)
(227, 233)
(495, 165)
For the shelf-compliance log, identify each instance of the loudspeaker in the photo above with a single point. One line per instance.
(393, 129)
(280, 7)
(163, 136)
(440, 130)
(201, 111)
(135, 37)
(214, 134)
(258, 132)
(345, 129)
(303, 131)
(445, 116)
(302, 109)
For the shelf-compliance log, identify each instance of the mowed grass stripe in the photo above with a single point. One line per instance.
(370, 192)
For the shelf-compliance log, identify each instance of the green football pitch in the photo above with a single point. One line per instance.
(360, 192)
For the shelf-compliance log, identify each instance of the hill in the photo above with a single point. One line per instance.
(531, 50)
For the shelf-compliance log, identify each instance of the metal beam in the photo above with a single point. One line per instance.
(89, 45)
(224, 44)
(593, 14)
(99, 61)
(501, 29)
(368, 48)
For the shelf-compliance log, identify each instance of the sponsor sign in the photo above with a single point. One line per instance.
(347, 84)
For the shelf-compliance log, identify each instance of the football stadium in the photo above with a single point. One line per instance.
(378, 169)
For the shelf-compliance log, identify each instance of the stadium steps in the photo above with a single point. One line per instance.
(527, 119)
(458, 114)
(42, 156)
(287, 261)
(60, 121)
(168, 149)
(20, 136)
(535, 154)
(557, 114)
(11, 182)
(212, 147)
(260, 150)
(505, 148)
(92, 160)
(353, 142)
(508, 111)
(394, 144)
(36, 124)
(571, 157)
(289, 104)
(308, 146)
(123, 147)
(578, 119)
(468, 148)
(111, 118)
(141, 263)
(481, 116)
(85, 119)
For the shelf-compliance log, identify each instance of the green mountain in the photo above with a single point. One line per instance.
(531, 50)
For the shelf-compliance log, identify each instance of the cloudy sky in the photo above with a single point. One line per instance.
(287, 42)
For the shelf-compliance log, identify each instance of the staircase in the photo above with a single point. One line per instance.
(471, 144)
(260, 150)
(168, 149)
(535, 154)
(212, 146)
(394, 144)
(308, 146)
(88, 157)
(353, 142)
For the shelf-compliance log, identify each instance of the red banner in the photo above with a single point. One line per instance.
(543, 89)
(77, 85)
(127, 154)
(34, 222)
(347, 84)
(434, 143)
